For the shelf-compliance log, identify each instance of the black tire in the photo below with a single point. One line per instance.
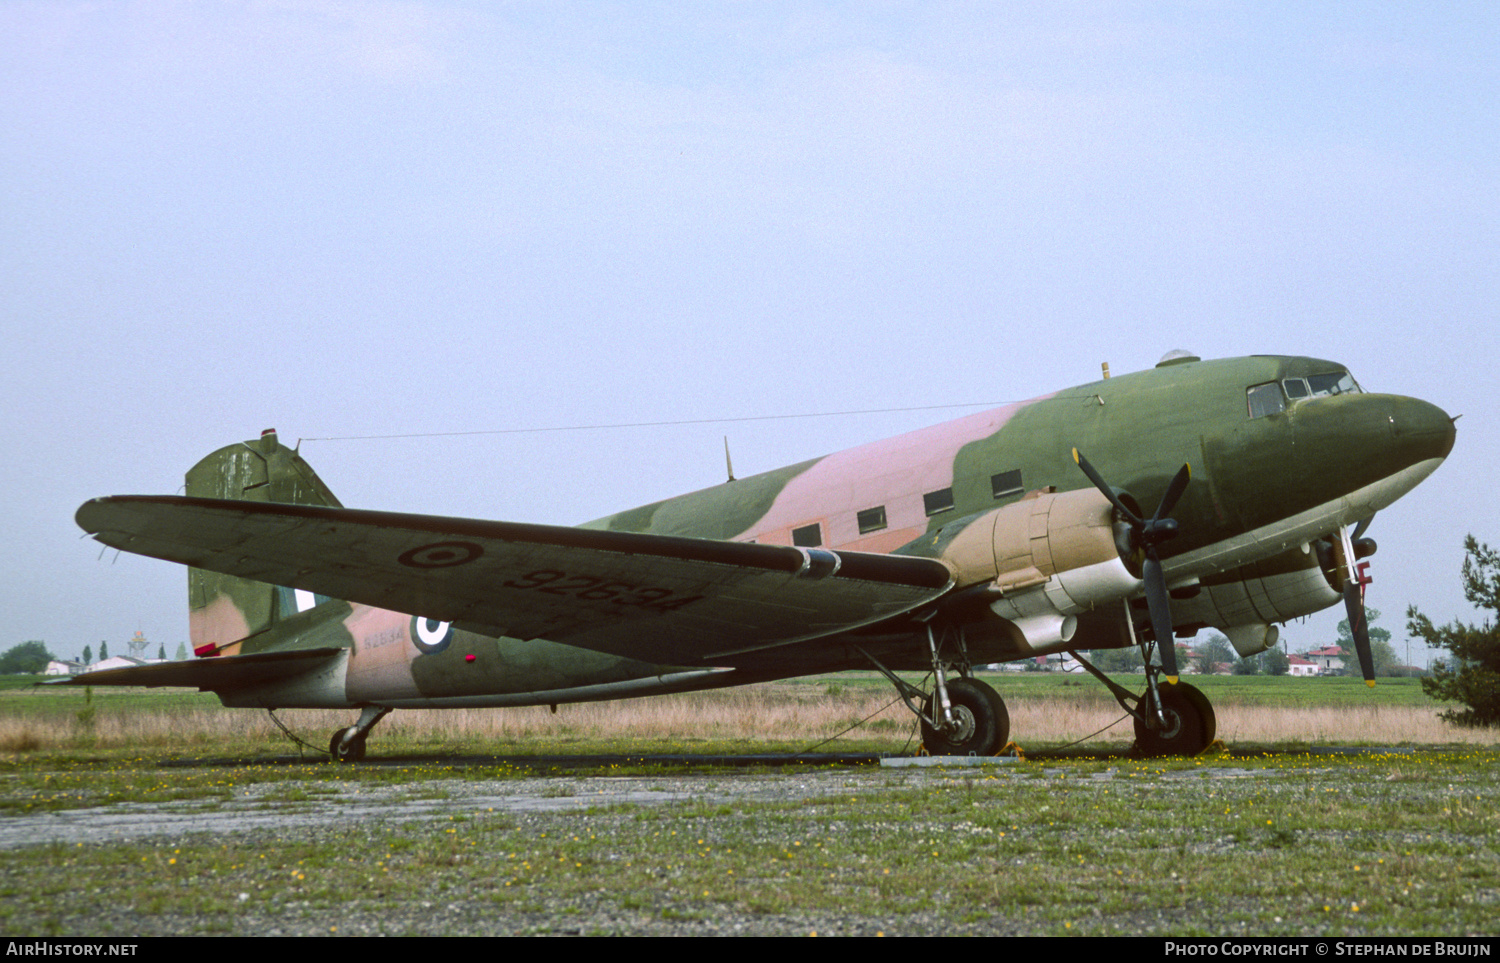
(1191, 725)
(353, 751)
(984, 724)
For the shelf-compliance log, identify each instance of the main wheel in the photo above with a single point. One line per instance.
(1191, 725)
(353, 751)
(982, 724)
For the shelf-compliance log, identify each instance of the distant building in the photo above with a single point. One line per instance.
(63, 667)
(1298, 666)
(1329, 660)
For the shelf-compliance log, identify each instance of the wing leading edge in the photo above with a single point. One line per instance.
(668, 600)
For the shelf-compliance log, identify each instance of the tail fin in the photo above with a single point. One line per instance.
(224, 611)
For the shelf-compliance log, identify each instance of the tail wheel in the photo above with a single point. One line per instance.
(981, 722)
(1190, 728)
(351, 751)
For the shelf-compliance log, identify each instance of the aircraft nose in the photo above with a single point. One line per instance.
(1421, 429)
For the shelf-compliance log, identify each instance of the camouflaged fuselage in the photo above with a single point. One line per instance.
(1269, 475)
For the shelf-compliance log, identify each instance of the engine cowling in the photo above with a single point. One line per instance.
(1045, 558)
(1246, 601)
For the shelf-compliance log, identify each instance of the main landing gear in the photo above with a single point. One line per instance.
(1184, 724)
(1171, 718)
(348, 745)
(962, 716)
(977, 724)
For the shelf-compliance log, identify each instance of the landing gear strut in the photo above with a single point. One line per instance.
(962, 716)
(1171, 718)
(348, 744)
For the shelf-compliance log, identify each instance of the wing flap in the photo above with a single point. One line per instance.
(670, 600)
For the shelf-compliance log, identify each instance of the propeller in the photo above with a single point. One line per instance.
(1337, 554)
(1145, 535)
(1359, 627)
(1352, 548)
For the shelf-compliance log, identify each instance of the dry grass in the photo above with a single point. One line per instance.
(1059, 721)
(798, 715)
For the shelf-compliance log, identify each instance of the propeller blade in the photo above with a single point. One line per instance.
(1359, 627)
(1360, 528)
(1145, 536)
(1174, 491)
(1093, 475)
(1159, 604)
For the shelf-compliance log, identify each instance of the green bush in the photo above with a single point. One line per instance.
(1471, 675)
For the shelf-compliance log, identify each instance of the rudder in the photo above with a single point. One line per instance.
(226, 613)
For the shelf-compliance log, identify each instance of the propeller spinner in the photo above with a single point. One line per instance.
(1145, 535)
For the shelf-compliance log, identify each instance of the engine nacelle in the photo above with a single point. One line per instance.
(1276, 589)
(1047, 558)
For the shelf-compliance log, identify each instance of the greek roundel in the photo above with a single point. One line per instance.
(430, 635)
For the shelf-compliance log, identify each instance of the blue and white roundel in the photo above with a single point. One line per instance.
(430, 635)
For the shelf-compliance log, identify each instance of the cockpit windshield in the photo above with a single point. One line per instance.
(1320, 385)
(1272, 398)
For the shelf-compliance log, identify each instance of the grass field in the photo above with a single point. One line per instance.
(856, 711)
(456, 832)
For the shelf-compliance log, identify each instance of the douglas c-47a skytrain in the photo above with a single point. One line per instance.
(1121, 513)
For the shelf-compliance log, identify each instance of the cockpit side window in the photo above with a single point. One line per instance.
(1265, 399)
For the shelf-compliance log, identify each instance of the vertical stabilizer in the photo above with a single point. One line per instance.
(225, 613)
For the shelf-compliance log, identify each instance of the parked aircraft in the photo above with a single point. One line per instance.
(1003, 535)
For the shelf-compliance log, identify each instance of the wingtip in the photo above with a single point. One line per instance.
(81, 517)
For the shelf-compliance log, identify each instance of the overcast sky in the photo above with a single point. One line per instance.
(375, 218)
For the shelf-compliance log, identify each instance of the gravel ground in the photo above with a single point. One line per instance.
(529, 813)
(541, 805)
(260, 810)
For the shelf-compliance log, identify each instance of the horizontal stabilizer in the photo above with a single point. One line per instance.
(223, 673)
(663, 599)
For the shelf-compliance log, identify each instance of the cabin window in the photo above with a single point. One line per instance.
(871, 520)
(808, 536)
(1265, 400)
(938, 501)
(1006, 484)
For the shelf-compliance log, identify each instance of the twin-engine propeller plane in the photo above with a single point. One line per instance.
(1003, 535)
